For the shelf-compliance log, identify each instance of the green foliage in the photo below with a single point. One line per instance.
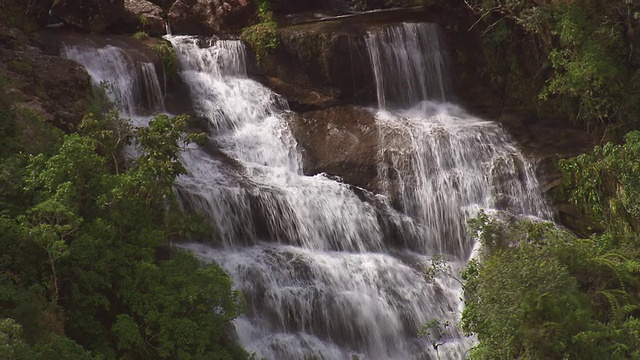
(144, 21)
(13, 345)
(606, 184)
(539, 292)
(168, 56)
(585, 50)
(262, 37)
(141, 35)
(87, 261)
(544, 294)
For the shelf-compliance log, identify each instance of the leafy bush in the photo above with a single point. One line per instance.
(262, 37)
(589, 46)
(141, 35)
(87, 263)
(168, 57)
(540, 292)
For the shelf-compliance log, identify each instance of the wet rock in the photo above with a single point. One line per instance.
(300, 99)
(39, 10)
(341, 141)
(143, 15)
(89, 15)
(206, 17)
(548, 140)
(309, 6)
(52, 88)
(335, 65)
(329, 56)
(382, 4)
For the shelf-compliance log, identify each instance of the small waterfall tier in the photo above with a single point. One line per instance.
(317, 260)
(132, 86)
(439, 164)
(329, 270)
(412, 50)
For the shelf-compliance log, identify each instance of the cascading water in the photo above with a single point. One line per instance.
(329, 272)
(410, 49)
(311, 256)
(152, 92)
(132, 86)
(439, 164)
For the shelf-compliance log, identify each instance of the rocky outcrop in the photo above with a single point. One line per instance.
(296, 6)
(383, 4)
(335, 64)
(548, 140)
(39, 10)
(340, 141)
(143, 15)
(207, 17)
(53, 89)
(89, 15)
(329, 57)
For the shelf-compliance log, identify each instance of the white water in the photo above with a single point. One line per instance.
(408, 49)
(132, 86)
(327, 273)
(311, 256)
(438, 163)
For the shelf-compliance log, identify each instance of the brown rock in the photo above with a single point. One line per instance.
(89, 15)
(206, 17)
(340, 141)
(39, 10)
(300, 99)
(143, 15)
(56, 89)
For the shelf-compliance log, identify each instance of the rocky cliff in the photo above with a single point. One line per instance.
(320, 65)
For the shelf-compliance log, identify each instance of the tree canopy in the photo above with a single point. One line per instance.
(88, 269)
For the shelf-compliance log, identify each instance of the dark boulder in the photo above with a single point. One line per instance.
(143, 15)
(340, 141)
(39, 10)
(207, 17)
(54, 89)
(89, 15)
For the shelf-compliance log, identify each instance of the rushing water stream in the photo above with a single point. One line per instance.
(319, 263)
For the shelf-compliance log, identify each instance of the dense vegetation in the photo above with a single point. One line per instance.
(87, 267)
(571, 58)
(540, 292)
(263, 36)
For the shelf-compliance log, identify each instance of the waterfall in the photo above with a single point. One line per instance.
(314, 259)
(440, 164)
(331, 271)
(153, 99)
(414, 50)
(132, 86)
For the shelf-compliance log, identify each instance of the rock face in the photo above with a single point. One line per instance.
(382, 4)
(329, 57)
(292, 6)
(340, 141)
(143, 15)
(335, 64)
(89, 15)
(40, 11)
(54, 89)
(207, 17)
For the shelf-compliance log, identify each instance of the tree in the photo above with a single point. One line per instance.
(540, 292)
(88, 257)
